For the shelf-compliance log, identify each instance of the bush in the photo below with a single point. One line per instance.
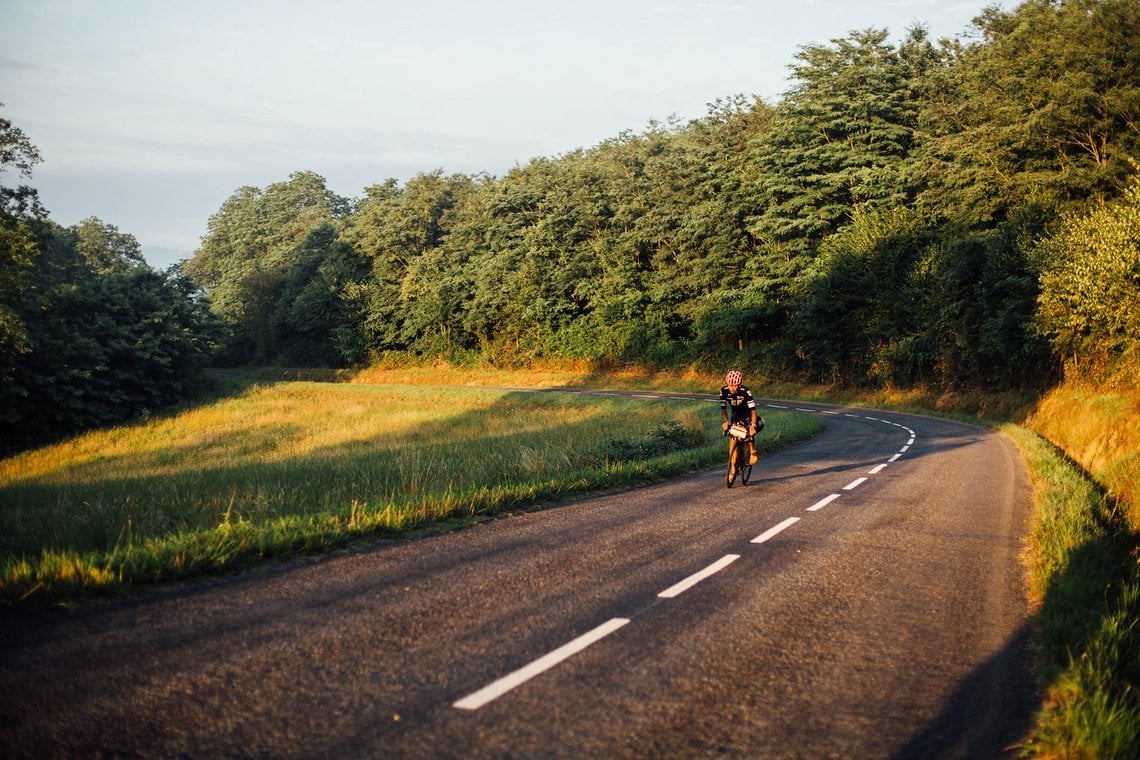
(1090, 289)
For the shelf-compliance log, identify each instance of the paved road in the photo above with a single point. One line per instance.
(861, 598)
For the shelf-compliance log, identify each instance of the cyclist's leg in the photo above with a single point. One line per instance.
(733, 448)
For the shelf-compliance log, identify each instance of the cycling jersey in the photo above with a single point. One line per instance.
(739, 404)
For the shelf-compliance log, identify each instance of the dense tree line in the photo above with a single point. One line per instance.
(898, 217)
(954, 212)
(89, 334)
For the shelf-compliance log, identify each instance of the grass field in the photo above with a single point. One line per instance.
(284, 468)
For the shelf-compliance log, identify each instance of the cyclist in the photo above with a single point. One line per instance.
(738, 406)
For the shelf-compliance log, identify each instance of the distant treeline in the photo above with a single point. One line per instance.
(89, 334)
(949, 213)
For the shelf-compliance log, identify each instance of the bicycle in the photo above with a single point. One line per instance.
(738, 458)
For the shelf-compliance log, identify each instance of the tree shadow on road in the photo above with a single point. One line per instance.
(989, 713)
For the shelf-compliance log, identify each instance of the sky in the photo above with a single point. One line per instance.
(150, 114)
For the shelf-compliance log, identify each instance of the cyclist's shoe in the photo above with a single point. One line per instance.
(752, 457)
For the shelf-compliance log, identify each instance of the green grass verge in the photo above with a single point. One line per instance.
(295, 468)
(1085, 581)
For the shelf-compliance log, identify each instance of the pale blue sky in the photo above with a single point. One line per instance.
(150, 113)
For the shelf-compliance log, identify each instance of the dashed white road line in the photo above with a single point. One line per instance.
(775, 530)
(679, 588)
(822, 503)
(498, 688)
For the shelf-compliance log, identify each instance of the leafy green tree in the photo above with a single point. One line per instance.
(317, 321)
(1041, 110)
(102, 346)
(250, 245)
(1090, 288)
(839, 145)
(393, 228)
(984, 287)
(108, 348)
(840, 138)
(19, 207)
(861, 304)
(104, 248)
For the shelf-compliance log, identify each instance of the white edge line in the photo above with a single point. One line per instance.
(910, 442)
(904, 449)
(877, 469)
(822, 503)
(498, 688)
(854, 484)
(895, 458)
(774, 530)
(828, 411)
(802, 409)
(775, 406)
(679, 588)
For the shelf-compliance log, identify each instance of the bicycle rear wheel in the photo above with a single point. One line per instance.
(742, 464)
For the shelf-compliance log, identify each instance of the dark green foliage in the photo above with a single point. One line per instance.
(102, 348)
(317, 321)
(863, 307)
(89, 334)
(1043, 111)
(253, 242)
(841, 136)
(667, 437)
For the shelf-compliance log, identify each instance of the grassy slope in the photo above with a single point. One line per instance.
(294, 467)
(1083, 451)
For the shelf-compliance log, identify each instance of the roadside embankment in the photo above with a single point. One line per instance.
(1082, 446)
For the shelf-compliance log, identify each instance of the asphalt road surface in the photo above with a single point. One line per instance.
(861, 598)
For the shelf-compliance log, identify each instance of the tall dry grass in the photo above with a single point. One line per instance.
(1098, 428)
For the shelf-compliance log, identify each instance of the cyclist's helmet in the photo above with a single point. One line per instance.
(733, 378)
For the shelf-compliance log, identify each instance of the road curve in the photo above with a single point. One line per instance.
(862, 597)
